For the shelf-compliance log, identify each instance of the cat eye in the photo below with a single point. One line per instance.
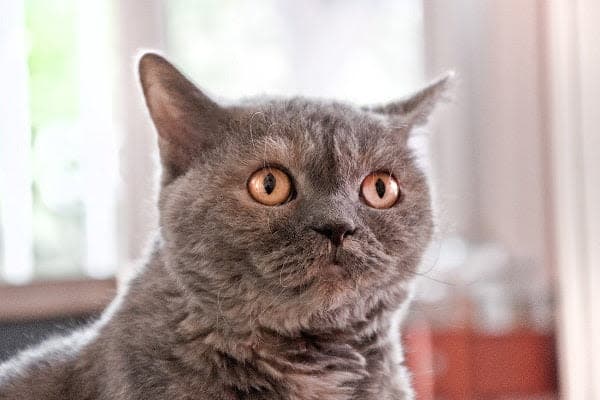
(270, 186)
(380, 190)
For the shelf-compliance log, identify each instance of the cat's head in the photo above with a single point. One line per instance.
(288, 212)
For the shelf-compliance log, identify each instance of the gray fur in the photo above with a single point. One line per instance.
(238, 300)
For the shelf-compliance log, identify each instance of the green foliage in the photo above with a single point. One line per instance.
(54, 110)
(53, 80)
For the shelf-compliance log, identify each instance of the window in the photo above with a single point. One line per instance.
(59, 186)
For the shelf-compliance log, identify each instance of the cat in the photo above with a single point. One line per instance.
(290, 233)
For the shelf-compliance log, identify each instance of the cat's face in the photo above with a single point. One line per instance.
(284, 212)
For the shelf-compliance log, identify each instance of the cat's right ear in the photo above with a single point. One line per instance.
(187, 121)
(415, 109)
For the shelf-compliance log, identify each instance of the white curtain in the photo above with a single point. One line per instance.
(574, 82)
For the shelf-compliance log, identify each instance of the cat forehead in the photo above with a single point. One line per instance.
(312, 119)
(325, 137)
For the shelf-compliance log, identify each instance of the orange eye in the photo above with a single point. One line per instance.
(380, 190)
(270, 186)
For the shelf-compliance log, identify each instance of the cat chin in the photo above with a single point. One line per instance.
(343, 314)
(334, 304)
(334, 274)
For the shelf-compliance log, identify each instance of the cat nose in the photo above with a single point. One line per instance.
(335, 232)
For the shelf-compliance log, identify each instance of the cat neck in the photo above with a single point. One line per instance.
(336, 364)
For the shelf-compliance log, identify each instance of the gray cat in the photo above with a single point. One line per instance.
(290, 231)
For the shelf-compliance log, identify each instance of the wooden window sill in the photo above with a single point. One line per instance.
(52, 299)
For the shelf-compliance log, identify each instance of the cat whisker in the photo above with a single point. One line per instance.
(219, 311)
(444, 282)
(261, 313)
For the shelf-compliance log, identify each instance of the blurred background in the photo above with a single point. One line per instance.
(508, 293)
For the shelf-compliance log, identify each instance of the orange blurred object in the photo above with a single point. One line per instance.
(463, 364)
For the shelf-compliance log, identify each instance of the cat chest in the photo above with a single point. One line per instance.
(329, 374)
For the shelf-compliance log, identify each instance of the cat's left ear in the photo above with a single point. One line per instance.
(415, 109)
(187, 121)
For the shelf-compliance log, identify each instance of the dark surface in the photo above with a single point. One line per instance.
(18, 335)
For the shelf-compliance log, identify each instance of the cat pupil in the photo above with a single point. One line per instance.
(380, 188)
(269, 183)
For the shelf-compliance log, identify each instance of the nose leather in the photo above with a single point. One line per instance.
(336, 232)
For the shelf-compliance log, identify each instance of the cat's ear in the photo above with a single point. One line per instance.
(187, 121)
(416, 108)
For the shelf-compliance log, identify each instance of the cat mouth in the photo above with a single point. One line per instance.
(336, 262)
(334, 272)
